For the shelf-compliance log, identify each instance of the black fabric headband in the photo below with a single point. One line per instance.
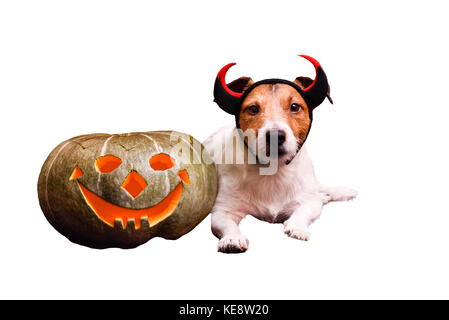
(230, 101)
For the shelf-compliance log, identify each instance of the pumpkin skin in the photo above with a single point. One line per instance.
(73, 167)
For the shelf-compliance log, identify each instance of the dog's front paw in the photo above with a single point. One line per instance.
(233, 244)
(342, 193)
(297, 231)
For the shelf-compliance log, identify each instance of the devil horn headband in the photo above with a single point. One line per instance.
(230, 100)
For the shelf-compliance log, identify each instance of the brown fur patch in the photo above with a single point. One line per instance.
(240, 84)
(274, 101)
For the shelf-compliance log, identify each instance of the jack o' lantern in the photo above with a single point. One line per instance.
(121, 190)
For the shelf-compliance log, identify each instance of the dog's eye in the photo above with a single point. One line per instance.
(253, 109)
(294, 108)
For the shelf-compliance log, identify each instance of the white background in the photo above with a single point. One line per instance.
(74, 67)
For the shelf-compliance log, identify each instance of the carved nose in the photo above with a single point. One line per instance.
(272, 134)
(134, 184)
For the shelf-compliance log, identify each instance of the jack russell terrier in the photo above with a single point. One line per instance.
(263, 167)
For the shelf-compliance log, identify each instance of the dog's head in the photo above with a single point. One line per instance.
(278, 112)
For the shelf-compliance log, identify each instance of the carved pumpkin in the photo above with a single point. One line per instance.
(121, 190)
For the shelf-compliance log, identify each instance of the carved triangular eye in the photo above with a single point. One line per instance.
(76, 173)
(107, 164)
(161, 162)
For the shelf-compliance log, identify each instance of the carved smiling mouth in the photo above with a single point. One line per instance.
(109, 212)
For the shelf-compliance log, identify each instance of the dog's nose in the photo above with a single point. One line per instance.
(280, 136)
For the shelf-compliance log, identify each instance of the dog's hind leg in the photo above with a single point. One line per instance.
(225, 226)
(337, 193)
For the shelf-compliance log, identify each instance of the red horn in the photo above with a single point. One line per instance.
(226, 99)
(317, 91)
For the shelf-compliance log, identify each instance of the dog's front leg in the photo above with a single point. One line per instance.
(309, 209)
(225, 226)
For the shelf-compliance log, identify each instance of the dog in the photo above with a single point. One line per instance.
(275, 112)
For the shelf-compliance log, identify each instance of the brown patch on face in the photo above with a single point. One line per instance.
(273, 102)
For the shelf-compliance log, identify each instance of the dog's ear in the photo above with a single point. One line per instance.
(304, 82)
(240, 84)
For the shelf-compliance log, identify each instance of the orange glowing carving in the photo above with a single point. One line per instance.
(184, 176)
(107, 164)
(134, 184)
(161, 161)
(76, 173)
(109, 212)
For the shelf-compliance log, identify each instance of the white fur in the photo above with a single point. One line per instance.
(291, 196)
